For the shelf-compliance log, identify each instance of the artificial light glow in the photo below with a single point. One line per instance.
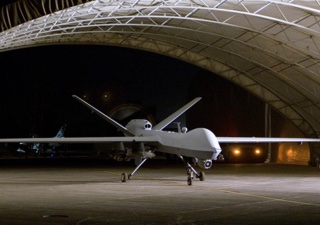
(257, 151)
(236, 152)
(106, 96)
(290, 153)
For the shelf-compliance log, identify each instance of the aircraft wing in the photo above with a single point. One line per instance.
(175, 115)
(104, 116)
(151, 139)
(264, 140)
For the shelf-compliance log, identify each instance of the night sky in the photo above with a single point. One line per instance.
(6, 2)
(37, 85)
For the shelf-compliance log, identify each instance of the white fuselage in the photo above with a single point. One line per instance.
(199, 143)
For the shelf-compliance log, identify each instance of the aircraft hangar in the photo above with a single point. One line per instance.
(269, 48)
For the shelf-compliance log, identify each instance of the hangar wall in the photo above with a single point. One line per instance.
(270, 48)
(292, 153)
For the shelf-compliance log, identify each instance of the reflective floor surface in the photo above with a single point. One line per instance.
(80, 193)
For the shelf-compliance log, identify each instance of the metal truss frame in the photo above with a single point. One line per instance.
(270, 48)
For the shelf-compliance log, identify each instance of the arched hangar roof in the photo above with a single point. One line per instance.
(270, 48)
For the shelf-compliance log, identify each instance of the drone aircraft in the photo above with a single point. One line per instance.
(142, 140)
(36, 148)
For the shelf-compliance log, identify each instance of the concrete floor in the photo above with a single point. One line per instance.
(91, 193)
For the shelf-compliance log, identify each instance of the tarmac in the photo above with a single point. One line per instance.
(90, 192)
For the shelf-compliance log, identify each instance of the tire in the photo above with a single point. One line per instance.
(189, 181)
(124, 177)
(202, 176)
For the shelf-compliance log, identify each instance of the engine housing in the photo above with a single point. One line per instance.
(205, 163)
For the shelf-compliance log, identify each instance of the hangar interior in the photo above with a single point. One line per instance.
(269, 48)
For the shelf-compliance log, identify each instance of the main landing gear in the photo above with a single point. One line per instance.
(190, 172)
(125, 176)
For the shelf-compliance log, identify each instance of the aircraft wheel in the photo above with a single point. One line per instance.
(124, 177)
(189, 181)
(202, 176)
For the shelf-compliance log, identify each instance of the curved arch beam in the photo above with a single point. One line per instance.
(268, 47)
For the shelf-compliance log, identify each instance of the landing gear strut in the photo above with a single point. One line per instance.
(191, 171)
(125, 177)
(190, 176)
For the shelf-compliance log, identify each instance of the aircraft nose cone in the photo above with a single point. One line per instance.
(207, 140)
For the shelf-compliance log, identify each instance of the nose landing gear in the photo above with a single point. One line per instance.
(191, 171)
(190, 176)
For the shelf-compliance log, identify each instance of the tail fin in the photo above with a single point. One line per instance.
(104, 116)
(60, 133)
(175, 115)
